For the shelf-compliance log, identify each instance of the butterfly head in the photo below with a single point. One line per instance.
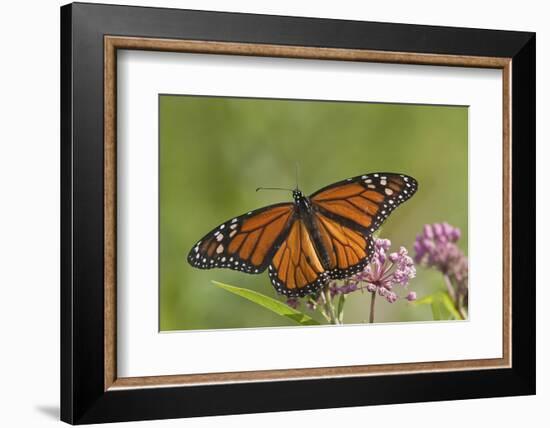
(298, 196)
(301, 201)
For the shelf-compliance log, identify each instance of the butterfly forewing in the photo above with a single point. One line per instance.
(246, 243)
(364, 202)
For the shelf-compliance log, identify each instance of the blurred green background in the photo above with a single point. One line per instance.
(215, 151)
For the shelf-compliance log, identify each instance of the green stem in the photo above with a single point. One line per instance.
(372, 300)
(329, 306)
(450, 289)
(340, 310)
(341, 303)
(323, 308)
(453, 296)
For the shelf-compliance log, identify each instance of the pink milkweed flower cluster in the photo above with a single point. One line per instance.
(436, 247)
(293, 302)
(385, 271)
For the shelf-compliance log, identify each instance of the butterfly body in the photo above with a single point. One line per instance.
(305, 212)
(311, 240)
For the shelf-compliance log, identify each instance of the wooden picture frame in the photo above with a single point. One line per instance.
(91, 390)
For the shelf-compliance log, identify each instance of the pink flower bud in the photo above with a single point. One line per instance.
(391, 297)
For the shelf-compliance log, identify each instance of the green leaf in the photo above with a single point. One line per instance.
(426, 300)
(433, 301)
(436, 312)
(273, 305)
(449, 305)
(442, 305)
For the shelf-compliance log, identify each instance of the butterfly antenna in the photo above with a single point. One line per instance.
(297, 174)
(273, 188)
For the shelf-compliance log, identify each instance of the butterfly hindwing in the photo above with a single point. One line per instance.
(348, 251)
(365, 201)
(300, 266)
(296, 268)
(246, 243)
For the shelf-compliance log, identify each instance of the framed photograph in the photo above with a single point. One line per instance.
(265, 213)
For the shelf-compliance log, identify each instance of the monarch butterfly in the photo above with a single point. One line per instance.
(305, 243)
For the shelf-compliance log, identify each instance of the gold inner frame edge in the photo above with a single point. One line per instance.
(113, 43)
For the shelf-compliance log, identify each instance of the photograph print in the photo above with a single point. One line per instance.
(284, 212)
